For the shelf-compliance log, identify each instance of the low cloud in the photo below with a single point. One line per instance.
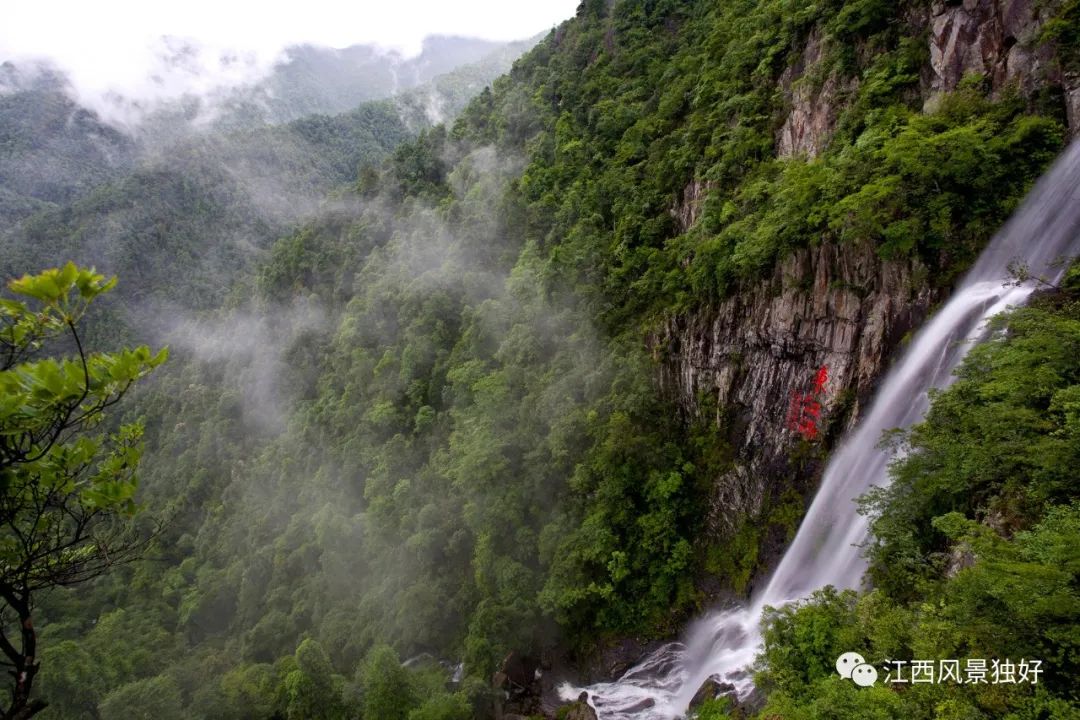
(252, 346)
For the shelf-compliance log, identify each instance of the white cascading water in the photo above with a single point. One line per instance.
(722, 645)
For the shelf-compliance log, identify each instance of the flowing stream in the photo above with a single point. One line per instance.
(722, 645)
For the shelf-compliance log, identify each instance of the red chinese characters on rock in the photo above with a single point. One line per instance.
(805, 409)
(820, 379)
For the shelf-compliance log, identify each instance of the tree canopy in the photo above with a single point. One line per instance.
(66, 482)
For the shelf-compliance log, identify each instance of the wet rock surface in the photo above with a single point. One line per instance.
(1072, 102)
(517, 687)
(581, 710)
(712, 689)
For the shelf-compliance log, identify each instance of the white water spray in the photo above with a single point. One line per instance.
(826, 551)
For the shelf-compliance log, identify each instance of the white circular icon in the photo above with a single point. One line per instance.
(864, 675)
(847, 662)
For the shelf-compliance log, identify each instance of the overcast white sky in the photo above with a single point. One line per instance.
(114, 45)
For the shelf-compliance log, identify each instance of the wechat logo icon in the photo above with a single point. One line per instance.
(853, 666)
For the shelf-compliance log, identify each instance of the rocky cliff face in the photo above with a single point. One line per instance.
(839, 307)
(814, 106)
(1072, 103)
(996, 39)
(1000, 40)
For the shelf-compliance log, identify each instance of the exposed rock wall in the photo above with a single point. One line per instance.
(815, 106)
(1072, 103)
(999, 40)
(994, 38)
(841, 307)
(688, 210)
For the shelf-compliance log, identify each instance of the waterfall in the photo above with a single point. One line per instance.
(826, 550)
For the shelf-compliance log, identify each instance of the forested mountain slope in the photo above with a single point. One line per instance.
(525, 388)
(174, 196)
(205, 206)
(53, 150)
(313, 80)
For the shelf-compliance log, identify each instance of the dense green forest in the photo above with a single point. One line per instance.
(421, 420)
(205, 206)
(53, 150)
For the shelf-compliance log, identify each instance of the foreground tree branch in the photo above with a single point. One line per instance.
(66, 488)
